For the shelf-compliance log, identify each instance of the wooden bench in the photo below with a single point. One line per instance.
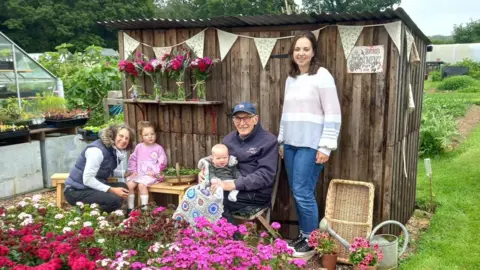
(58, 180)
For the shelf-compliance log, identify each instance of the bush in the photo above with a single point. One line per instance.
(436, 76)
(474, 67)
(456, 83)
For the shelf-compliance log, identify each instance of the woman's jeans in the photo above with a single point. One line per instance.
(303, 173)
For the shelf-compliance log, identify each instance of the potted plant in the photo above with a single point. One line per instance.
(132, 69)
(175, 67)
(201, 70)
(11, 131)
(6, 59)
(324, 245)
(178, 175)
(364, 255)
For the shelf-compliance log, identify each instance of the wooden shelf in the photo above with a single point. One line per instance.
(173, 102)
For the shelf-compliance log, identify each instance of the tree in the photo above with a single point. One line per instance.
(39, 26)
(468, 33)
(337, 6)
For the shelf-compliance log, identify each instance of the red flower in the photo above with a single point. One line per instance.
(81, 263)
(28, 238)
(44, 254)
(64, 248)
(4, 261)
(135, 214)
(87, 231)
(49, 235)
(42, 211)
(4, 250)
(148, 68)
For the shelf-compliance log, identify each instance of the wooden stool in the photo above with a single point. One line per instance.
(167, 188)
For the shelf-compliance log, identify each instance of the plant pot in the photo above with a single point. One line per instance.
(66, 123)
(6, 65)
(355, 267)
(329, 261)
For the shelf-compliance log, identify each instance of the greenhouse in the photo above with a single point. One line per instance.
(453, 53)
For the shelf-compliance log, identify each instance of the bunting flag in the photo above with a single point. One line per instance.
(225, 41)
(416, 57)
(160, 51)
(129, 45)
(349, 36)
(316, 33)
(394, 30)
(197, 43)
(264, 48)
(410, 40)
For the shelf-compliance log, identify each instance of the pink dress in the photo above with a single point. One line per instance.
(146, 159)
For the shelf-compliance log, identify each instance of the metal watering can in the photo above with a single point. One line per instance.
(387, 243)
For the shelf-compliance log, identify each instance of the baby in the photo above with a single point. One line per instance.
(221, 167)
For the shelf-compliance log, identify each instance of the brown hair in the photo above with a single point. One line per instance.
(109, 134)
(314, 64)
(142, 125)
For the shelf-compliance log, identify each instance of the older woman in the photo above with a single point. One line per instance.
(87, 182)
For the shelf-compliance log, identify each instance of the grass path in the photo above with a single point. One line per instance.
(453, 240)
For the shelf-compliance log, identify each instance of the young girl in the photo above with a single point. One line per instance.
(145, 164)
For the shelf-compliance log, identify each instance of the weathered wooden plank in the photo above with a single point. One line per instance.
(164, 118)
(235, 74)
(264, 105)
(176, 148)
(199, 147)
(199, 120)
(165, 141)
(147, 37)
(159, 41)
(187, 119)
(170, 40)
(245, 67)
(275, 87)
(175, 119)
(210, 141)
(255, 68)
(187, 154)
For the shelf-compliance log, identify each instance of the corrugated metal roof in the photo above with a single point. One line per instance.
(266, 20)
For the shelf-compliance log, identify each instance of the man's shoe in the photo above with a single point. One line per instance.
(295, 241)
(302, 249)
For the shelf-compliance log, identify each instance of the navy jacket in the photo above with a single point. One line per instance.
(257, 157)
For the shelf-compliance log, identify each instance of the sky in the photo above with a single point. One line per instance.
(437, 17)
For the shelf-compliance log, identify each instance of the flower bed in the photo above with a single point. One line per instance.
(36, 235)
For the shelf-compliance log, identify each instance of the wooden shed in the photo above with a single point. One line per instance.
(375, 121)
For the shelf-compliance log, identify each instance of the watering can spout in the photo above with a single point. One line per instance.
(323, 226)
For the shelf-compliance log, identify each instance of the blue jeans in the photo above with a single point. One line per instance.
(303, 173)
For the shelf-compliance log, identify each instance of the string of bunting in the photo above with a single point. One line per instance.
(348, 34)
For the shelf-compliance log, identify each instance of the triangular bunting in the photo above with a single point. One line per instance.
(416, 57)
(349, 36)
(160, 51)
(197, 43)
(409, 43)
(393, 30)
(264, 48)
(129, 45)
(316, 33)
(225, 41)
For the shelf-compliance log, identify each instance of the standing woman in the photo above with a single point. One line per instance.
(309, 130)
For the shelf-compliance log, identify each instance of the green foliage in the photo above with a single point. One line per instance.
(456, 83)
(468, 33)
(436, 76)
(117, 119)
(347, 6)
(87, 77)
(470, 89)
(172, 171)
(49, 103)
(438, 125)
(38, 26)
(474, 67)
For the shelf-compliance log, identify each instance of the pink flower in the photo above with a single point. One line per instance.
(158, 210)
(300, 263)
(4, 250)
(275, 225)
(242, 229)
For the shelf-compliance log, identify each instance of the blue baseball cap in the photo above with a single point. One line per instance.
(244, 107)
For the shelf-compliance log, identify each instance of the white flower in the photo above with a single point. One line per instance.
(67, 229)
(118, 212)
(80, 204)
(57, 227)
(36, 205)
(94, 213)
(11, 207)
(105, 262)
(87, 224)
(58, 216)
(26, 222)
(72, 223)
(94, 206)
(103, 224)
(51, 205)
(23, 203)
(100, 218)
(22, 215)
(101, 240)
(77, 219)
(36, 198)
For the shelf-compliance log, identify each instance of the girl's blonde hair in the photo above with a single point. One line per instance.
(141, 126)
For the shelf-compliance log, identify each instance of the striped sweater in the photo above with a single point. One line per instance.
(311, 114)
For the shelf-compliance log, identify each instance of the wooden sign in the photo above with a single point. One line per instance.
(366, 59)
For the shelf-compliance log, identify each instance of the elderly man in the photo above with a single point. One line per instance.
(257, 153)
